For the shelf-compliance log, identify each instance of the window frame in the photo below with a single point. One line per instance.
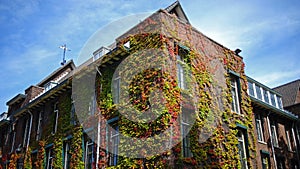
(67, 155)
(235, 94)
(263, 157)
(55, 120)
(242, 140)
(259, 127)
(113, 140)
(117, 90)
(289, 131)
(49, 158)
(39, 126)
(186, 142)
(26, 131)
(88, 154)
(274, 135)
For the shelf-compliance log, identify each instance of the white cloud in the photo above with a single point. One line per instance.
(273, 79)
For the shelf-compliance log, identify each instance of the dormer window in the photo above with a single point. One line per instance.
(100, 52)
(49, 85)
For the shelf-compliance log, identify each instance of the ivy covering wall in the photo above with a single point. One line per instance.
(217, 125)
(214, 116)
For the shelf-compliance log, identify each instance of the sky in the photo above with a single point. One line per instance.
(31, 31)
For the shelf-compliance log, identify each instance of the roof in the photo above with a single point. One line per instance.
(176, 9)
(16, 99)
(68, 64)
(289, 92)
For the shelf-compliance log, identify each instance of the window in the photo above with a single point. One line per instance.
(49, 85)
(274, 135)
(116, 90)
(280, 163)
(49, 158)
(259, 127)
(185, 126)
(258, 92)
(13, 139)
(235, 104)
(273, 102)
(89, 154)
(73, 118)
(39, 125)
(92, 105)
(250, 88)
(113, 132)
(266, 96)
(55, 120)
(67, 155)
(242, 149)
(290, 139)
(8, 133)
(279, 102)
(26, 131)
(180, 73)
(265, 160)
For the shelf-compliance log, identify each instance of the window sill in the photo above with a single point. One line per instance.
(236, 113)
(262, 142)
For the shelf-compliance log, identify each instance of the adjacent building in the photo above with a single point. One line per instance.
(164, 95)
(276, 129)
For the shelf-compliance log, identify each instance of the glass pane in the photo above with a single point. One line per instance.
(266, 96)
(250, 88)
(258, 92)
(273, 99)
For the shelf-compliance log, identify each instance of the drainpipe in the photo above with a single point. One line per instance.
(98, 126)
(294, 137)
(29, 132)
(272, 146)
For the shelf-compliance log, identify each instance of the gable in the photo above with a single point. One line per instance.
(176, 9)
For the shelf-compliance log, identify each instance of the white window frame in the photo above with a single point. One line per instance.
(243, 156)
(290, 140)
(13, 141)
(259, 128)
(49, 159)
(114, 142)
(66, 150)
(180, 73)
(253, 88)
(116, 88)
(26, 132)
(266, 93)
(92, 105)
(186, 144)
(235, 105)
(7, 136)
(38, 131)
(55, 111)
(274, 135)
(88, 143)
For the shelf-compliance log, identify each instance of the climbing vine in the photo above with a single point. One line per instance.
(76, 148)
(27, 159)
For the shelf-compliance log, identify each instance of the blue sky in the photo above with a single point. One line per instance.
(268, 32)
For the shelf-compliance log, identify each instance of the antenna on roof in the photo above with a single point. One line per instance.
(64, 47)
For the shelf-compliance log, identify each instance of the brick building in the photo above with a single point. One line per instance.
(74, 118)
(275, 128)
